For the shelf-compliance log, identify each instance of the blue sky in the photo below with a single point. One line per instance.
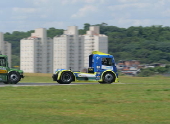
(25, 15)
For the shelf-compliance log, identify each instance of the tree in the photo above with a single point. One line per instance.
(52, 32)
(86, 26)
(146, 44)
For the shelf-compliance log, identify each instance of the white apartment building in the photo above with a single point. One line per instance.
(36, 53)
(72, 50)
(94, 41)
(39, 54)
(5, 48)
(68, 50)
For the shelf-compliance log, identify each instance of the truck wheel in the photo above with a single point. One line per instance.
(108, 78)
(66, 78)
(13, 77)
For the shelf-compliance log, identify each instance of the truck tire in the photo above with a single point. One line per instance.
(13, 77)
(108, 78)
(66, 78)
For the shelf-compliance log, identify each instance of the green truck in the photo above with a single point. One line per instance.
(7, 74)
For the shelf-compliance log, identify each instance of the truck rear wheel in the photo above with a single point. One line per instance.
(66, 78)
(13, 77)
(108, 78)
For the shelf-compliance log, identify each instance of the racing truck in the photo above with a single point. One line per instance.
(7, 74)
(101, 68)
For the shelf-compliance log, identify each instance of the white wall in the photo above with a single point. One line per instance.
(69, 50)
(93, 41)
(5, 48)
(60, 55)
(40, 50)
(73, 50)
(27, 56)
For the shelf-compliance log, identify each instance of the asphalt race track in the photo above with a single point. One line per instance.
(41, 84)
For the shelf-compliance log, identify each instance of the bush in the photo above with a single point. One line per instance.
(151, 71)
(146, 72)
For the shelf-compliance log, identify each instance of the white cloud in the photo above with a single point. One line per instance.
(124, 22)
(166, 13)
(70, 1)
(25, 10)
(54, 24)
(140, 13)
(84, 11)
(64, 2)
(31, 14)
(132, 5)
(39, 2)
(125, 15)
(75, 1)
(95, 1)
(43, 16)
(90, 1)
(137, 22)
(81, 1)
(20, 17)
(126, 1)
(1, 11)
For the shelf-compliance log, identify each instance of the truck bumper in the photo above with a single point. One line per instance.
(22, 76)
(54, 77)
(117, 80)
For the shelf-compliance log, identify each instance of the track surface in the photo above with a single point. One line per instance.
(41, 84)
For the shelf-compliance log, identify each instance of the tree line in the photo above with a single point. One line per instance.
(146, 44)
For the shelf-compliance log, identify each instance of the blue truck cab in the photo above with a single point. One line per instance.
(101, 68)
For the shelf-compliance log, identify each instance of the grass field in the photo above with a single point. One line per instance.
(37, 77)
(135, 100)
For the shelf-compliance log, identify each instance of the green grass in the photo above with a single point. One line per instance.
(37, 78)
(135, 100)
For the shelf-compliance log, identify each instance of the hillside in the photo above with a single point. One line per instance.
(146, 44)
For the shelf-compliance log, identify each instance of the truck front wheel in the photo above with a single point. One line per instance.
(108, 78)
(13, 77)
(66, 78)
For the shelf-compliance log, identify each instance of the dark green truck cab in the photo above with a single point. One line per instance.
(7, 74)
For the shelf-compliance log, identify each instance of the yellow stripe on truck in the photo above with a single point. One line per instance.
(3, 71)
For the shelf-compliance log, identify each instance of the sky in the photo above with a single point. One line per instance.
(26, 15)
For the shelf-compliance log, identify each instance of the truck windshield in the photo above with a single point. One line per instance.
(2, 61)
(107, 61)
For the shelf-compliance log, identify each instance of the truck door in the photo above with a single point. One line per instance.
(3, 69)
(98, 63)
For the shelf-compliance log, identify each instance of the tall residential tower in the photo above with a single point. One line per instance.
(94, 41)
(5, 48)
(72, 50)
(68, 50)
(36, 53)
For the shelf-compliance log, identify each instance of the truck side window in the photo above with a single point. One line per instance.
(107, 61)
(2, 62)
